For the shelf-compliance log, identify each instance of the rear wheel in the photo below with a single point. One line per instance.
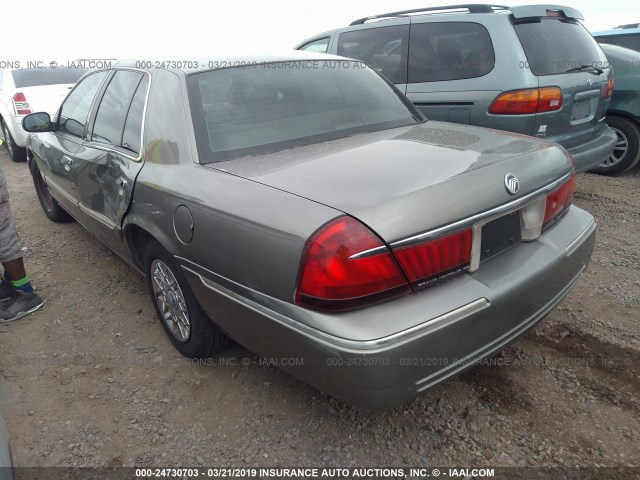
(626, 153)
(187, 325)
(17, 154)
(51, 207)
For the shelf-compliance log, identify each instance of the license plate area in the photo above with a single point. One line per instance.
(581, 110)
(500, 234)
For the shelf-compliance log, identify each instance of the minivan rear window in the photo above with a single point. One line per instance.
(35, 77)
(554, 46)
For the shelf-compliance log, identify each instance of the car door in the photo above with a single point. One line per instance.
(56, 149)
(110, 159)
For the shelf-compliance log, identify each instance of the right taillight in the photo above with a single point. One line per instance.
(431, 261)
(533, 100)
(559, 200)
(345, 266)
(607, 90)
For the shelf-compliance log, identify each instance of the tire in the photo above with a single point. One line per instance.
(17, 154)
(50, 205)
(627, 152)
(183, 319)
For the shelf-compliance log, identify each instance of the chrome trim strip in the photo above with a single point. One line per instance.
(498, 343)
(573, 246)
(353, 345)
(369, 253)
(103, 147)
(106, 221)
(470, 221)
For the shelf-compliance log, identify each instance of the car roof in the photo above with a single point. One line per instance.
(617, 31)
(227, 61)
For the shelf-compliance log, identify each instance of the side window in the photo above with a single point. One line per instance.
(449, 51)
(75, 109)
(603, 39)
(133, 125)
(383, 48)
(114, 107)
(627, 41)
(319, 46)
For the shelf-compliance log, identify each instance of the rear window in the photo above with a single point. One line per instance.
(627, 41)
(449, 51)
(269, 107)
(554, 46)
(34, 77)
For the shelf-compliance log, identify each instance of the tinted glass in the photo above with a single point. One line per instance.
(75, 109)
(553, 46)
(383, 48)
(33, 77)
(627, 41)
(449, 51)
(270, 107)
(133, 125)
(319, 46)
(114, 106)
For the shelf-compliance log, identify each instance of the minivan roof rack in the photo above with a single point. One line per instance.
(629, 25)
(471, 7)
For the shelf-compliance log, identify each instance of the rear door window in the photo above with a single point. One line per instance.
(112, 113)
(554, 46)
(449, 51)
(383, 48)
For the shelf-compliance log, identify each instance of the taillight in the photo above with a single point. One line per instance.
(607, 90)
(20, 104)
(534, 100)
(345, 266)
(559, 200)
(431, 261)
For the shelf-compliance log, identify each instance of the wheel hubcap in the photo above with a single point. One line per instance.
(170, 301)
(619, 151)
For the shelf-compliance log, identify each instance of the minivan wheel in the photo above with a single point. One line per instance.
(51, 207)
(183, 319)
(626, 153)
(16, 153)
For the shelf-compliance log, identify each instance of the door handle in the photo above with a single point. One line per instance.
(66, 162)
(122, 182)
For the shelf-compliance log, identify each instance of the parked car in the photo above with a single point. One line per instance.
(623, 115)
(302, 206)
(6, 469)
(530, 69)
(627, 36)
(27, 90)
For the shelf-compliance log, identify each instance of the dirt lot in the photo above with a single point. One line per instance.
(91, 379)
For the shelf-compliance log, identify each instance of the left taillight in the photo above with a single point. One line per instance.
(534, 100)
(431, 261)
(20, 104)
(345, 266)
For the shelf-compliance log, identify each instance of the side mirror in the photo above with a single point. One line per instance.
(37, 122)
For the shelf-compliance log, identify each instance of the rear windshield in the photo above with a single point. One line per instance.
(35, 77)
(554, 46)
(264, 108)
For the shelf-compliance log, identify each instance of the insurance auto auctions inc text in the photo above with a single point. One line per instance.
(359, 472)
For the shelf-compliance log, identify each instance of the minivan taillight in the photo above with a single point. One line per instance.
(607, 90)
(559, 200)
(20, 104)
(431, 261)
(345, 265)
(533, 100)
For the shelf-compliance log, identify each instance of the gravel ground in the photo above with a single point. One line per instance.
(92, 380)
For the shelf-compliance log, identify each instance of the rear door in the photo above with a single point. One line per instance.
(109, 162)
(561, 53)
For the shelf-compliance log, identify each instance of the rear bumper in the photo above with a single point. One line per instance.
(453, 325)
(591, 154)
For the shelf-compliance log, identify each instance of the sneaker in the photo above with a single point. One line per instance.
(6, 290)
(19, 305)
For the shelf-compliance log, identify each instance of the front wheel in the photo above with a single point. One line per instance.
(51, 207)
(17, 154)
(187, 325)
(626, 153)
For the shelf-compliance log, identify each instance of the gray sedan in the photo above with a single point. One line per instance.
(302, 206)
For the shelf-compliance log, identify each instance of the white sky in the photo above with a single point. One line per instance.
(186, 29)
